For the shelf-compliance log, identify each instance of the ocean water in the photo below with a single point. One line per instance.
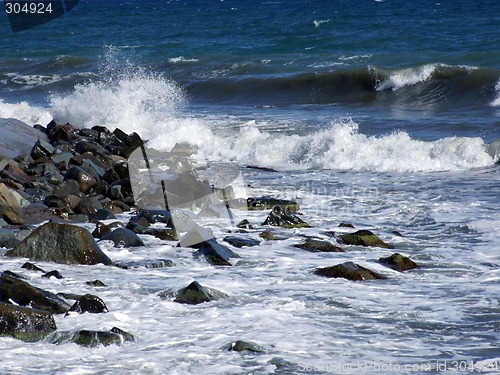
(383, 114)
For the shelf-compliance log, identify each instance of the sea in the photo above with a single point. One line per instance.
(382, 114)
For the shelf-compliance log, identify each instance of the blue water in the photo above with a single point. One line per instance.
(385, 114)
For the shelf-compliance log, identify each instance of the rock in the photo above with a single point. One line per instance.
(17, 137)
(88, 206)
(92, 339)
(157, 263)
(195, 294)
(266, 203)
(241, 241)
(346, 225)
(103, 214)
(244, 224)
(66, 188)
(89, 303)
(60, 243)
(362, 238)
(217, 254)
(241, 346)
(25, 323)
(96, 283)
(9, 206)
(399, 262)
(268, 236)
(349, 271)
(84, 179)
(61, 133)
(32, 267)
(11, 237)
(155, 216)
(54, 273)
(41, 149)
(123, 237)
(315, 246)
(285, 218)
(25, 294)
(101, 230)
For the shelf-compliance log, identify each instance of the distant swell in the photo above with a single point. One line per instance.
(426, 84)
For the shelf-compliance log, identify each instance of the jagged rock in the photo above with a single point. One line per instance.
(241, 241)
(157, 263)
(89, 303)
(285, 218)
(25, 294)
(123, 237)
(362, 238)
(60, 243)
(195, 294)
(242, 346)
(217, 254)
(399, 262)
(41, 149)
(25, 323)
(9, 206)
(349, 271)
(315, 245)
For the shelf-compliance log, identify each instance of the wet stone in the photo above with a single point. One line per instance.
(89, 303)
(349, 271)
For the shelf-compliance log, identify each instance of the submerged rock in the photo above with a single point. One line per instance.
(217, 254)
(237, 241)
(362, 238)
(195, 294)
(242, 346)
(314, 245)
(25, 323)
(349, 271)
(24, 294)
(283, 217)
(92, 339)
(266, 203)
(153, 264)
(399, 262)
(60, 243)
(89, 303)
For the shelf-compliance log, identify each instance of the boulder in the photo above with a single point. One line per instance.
(92, 339)
(267, 203)
(9, 206)
(399, 262)
(103, 214)
(283, 217)
(362, 238)
(315, 246)
(84, 179)
(25, 294)
(89, 303)
(60, 243)
(349, 271)
(17, 137)
(217, 254)
(25, 323)
(123, 237)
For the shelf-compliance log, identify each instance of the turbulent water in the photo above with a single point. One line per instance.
(383, 114)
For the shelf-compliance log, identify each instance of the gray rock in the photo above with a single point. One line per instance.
(17, 137)
(11, 237)
(240, 241)
(123, 237)
(242, 346)
(399, 262)
(195, 294)
(60, 243)
(25, 323)
(314, 245)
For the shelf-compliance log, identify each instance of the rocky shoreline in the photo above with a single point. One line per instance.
(71, 176)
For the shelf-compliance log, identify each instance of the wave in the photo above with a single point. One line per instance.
(496, 102)
(153, 106)
(425, 84)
